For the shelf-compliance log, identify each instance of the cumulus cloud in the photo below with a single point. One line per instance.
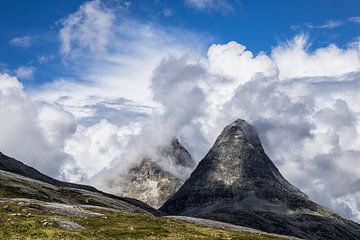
(96, 148)
(326, 61)
(32, 131)
(24, 42)
(25, 72)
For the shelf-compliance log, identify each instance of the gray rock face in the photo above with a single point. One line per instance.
(151, 182)
(178, 154)
(67, 225)
(237, 183)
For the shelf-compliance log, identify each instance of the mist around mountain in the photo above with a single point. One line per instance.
(153, 177)
(235, 192)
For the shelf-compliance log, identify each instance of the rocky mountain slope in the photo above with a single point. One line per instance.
(152, 180)
(20, 180)
(12, 165)
(236, 182)
(35, 206)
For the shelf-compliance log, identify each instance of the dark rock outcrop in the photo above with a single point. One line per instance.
(236, 182)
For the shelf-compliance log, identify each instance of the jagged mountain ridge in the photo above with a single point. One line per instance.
(236, 182)
(150, 181)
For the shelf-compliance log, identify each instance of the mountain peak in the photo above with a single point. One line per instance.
(237, 166)
(243, 131)
(155, 178)
(236, 182)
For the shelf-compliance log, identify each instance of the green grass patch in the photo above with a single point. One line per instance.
(108, 227)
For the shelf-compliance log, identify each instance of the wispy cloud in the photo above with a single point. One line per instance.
(222, 6)
(89, 28)
(42, 59)
(355, 19)
(24, 41)
(25, 72)
(330, 24)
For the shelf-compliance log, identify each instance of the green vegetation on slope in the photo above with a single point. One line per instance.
(18, 222)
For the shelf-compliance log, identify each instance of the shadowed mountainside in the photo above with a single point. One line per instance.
(236, 182)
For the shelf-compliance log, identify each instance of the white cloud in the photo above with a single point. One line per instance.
(327, 61)
(24, 42)
(45, 58)
(329, 24)
(89, 28)
(355, 19)
(95, 148)
(31, 131)
(223, 6)
(25, 72)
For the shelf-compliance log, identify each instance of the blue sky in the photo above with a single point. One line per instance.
(259, 25)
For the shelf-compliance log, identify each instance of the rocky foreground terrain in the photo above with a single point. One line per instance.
(237, 183)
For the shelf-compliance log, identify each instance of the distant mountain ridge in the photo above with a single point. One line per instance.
(12, 165)
(151, 182)
(236, 182)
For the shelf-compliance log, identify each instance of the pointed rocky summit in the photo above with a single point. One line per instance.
(151, 182)
(236, 182)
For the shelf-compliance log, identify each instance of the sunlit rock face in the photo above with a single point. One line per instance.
(236, 182)
(154, 180)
